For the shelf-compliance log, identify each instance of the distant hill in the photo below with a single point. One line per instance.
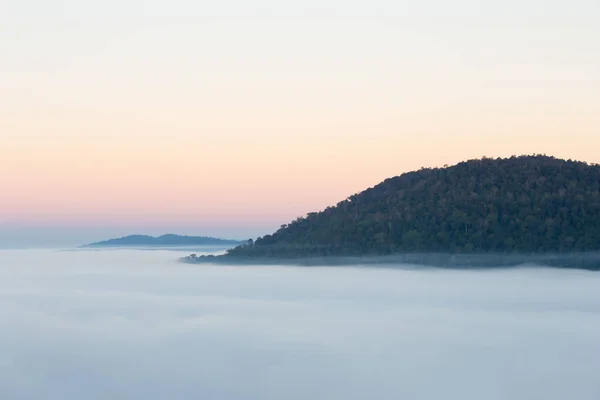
(526, 204)
(165, 240)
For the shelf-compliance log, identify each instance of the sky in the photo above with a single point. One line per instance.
(130, 325)
(231, 118)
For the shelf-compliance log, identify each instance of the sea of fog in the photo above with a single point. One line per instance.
(135, 324)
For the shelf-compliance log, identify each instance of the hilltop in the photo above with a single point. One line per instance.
(525, 204)
(164, 240)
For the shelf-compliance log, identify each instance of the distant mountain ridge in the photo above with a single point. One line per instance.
(164, 240)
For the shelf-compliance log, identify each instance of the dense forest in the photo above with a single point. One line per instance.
(526, 204)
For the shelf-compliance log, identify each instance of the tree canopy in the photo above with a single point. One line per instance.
(522, 204)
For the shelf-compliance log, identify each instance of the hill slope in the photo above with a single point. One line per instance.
(520, 204)
(164, 240)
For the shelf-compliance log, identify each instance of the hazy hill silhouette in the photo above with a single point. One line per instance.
(164, 240)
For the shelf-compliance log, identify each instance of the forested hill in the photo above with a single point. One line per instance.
(520, 204)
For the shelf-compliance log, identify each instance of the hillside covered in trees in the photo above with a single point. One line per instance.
(526, 204)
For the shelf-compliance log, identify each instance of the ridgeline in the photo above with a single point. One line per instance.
(164, 240)
(518, 205)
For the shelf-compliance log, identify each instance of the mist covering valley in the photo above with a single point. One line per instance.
(125, 324)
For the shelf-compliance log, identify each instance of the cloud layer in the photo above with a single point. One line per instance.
(133, 324)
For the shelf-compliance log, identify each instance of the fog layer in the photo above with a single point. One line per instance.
(127, 324)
